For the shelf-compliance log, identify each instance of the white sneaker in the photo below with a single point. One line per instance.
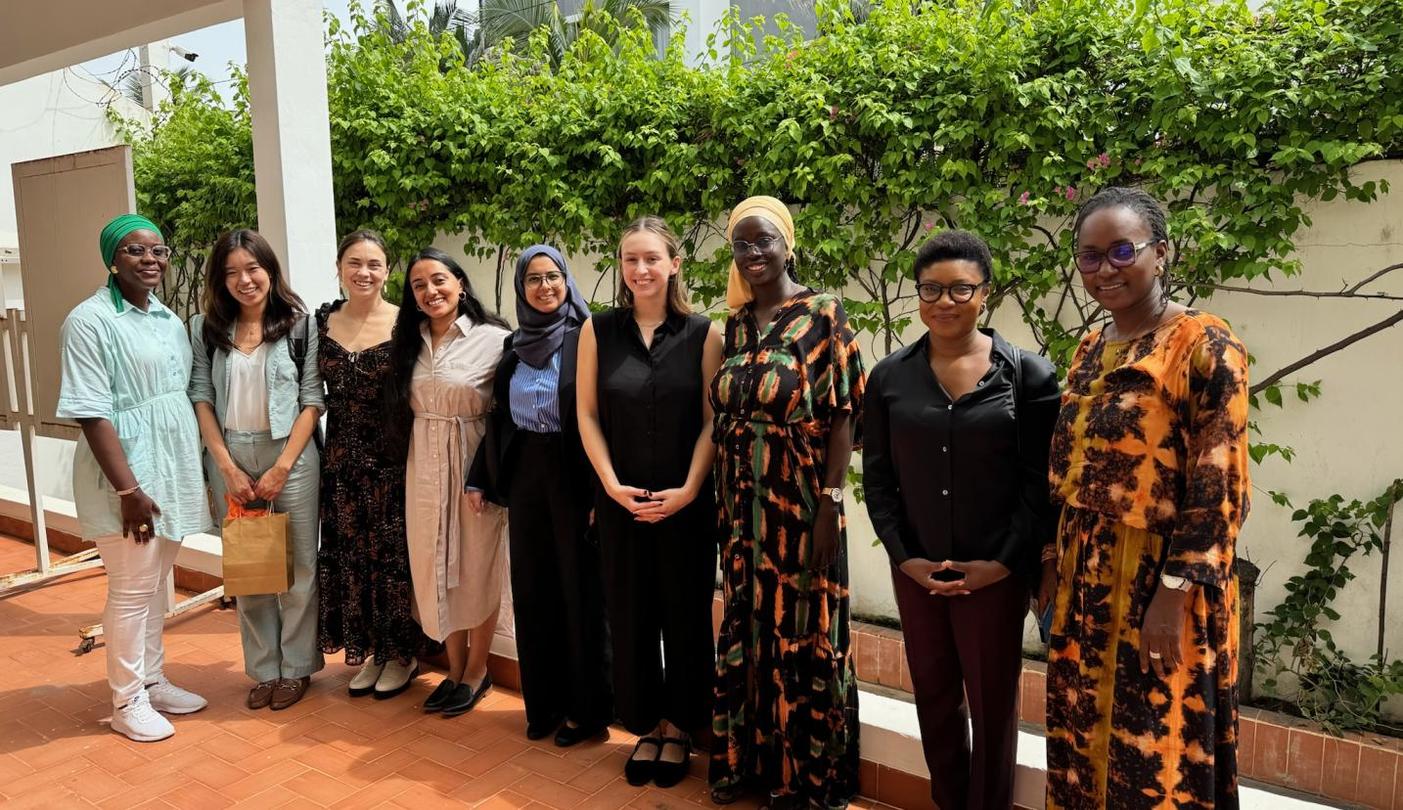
(140, 722)
(171, 699)
(364, 681)
(396, 678)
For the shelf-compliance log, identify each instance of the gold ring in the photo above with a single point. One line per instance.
(143, 528)
(1155, 656)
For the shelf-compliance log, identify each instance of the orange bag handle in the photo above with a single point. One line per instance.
(238, 510)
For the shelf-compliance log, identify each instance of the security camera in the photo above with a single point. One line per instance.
(184, 54)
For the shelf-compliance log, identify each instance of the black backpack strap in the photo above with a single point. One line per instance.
(297, 343)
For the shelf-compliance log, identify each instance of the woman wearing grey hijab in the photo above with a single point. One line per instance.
(531, 461)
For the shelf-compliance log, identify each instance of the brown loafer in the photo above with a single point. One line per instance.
(288, 691)
(260, 695)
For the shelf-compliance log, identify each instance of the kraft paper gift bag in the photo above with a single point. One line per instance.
(257, 557)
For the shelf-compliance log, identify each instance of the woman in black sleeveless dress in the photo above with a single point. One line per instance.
(646, 424)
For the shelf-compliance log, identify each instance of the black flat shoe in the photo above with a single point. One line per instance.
(539, 731)
(435, 701)
(568, 736)
(640, 771)
(786, 801)
(667, 773)
(464, 698)
(726, 794)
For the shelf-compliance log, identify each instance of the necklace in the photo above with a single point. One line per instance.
(1151, 320)
(249, 334)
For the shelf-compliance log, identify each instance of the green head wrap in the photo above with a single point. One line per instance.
(112, 234)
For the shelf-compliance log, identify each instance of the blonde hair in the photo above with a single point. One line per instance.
(676, 290)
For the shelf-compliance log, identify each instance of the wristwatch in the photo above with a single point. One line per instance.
(834, 493)
(1175, 583)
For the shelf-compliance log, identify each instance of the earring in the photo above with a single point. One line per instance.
(114, 269)
(463, 296)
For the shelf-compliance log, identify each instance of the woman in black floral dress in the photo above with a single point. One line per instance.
(787, 401)
(363, 562)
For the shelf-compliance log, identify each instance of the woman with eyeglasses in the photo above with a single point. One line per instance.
(787, 399)
(137, 484)
(1149, 462)
(954, 462)
(532, 462)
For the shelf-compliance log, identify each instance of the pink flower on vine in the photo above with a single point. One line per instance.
(930, 225)
(833, 113)
(1023, 198)
(1071, 192)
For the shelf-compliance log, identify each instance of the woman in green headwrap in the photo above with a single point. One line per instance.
(137, 482)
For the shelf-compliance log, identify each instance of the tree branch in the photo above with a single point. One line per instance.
(1377, 275)
(1291, 368)
(1303, 293)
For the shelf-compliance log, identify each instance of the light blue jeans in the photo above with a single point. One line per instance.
(279, 631)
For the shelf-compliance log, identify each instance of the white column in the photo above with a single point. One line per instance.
(292, 141)
(703, 15)
(153, 57)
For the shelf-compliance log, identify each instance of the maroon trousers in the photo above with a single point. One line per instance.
(966, 651)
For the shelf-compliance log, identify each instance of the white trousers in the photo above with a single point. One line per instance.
(135, 612)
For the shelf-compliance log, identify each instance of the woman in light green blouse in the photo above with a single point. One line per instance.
(136, 473)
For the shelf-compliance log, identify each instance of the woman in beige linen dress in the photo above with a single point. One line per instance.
(445, 351)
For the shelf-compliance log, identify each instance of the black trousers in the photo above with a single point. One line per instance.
(965, 654)
(557, 592)
(660, 579)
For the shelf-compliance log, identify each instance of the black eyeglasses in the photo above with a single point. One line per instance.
(137, 251)
(1120, 254)
(930, 292)
(740, 247)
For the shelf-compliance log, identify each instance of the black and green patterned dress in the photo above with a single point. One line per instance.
(786, 691)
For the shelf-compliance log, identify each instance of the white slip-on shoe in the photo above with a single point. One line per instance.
(364, 681)
(396, 678)
(171, 699)
(140, 722)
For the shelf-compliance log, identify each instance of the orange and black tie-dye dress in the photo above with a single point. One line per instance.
(786, 694)
(1150, 462)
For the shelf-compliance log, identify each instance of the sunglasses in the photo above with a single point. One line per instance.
(1119, 255)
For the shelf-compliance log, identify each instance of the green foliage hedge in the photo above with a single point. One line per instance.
(997, 117)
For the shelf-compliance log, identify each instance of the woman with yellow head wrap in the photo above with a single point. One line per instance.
(787, 400)
(137, 483)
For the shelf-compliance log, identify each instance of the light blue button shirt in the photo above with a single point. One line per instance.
(132, 368)
(534, 396)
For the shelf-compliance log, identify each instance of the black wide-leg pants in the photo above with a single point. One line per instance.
(660, 581)
(557, 591)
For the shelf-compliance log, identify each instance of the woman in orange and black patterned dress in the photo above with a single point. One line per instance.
(1149, 460)
(786, 398)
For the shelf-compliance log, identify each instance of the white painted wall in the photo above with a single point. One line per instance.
(1350, 441)
(54, 114)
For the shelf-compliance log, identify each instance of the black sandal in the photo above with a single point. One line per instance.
(665, 773)
(726, 794)
(640, 771)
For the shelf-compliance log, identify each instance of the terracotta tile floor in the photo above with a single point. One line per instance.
(327, 751)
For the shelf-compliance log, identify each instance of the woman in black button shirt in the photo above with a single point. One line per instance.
(955, 471)
(646, 424)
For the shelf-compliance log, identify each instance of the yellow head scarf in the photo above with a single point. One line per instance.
(771, 210)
